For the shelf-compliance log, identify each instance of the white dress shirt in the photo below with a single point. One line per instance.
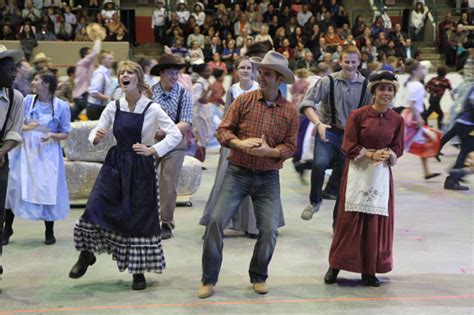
(158, 18)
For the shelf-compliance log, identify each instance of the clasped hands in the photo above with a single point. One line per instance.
(379, 156)
(34, 124)
(255, 146)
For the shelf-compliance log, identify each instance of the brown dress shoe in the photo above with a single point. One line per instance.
(260, 287)
(205, 291)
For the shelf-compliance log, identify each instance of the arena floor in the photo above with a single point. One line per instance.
(433, 261)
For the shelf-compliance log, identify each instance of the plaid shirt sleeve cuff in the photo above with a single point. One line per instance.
(225, 136)
(285, 151)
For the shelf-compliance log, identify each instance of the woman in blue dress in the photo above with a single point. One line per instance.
(122, 214)
(37, 187)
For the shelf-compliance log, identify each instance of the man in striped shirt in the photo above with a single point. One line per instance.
(260, 128)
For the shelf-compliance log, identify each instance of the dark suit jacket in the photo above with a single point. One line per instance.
(393, 37)
(207, 51)
(403, 52)
(300, 64)
(279, 5)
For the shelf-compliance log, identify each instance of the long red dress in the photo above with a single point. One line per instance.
(362, 242)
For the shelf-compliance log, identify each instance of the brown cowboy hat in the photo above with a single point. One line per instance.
(15, 54)
(166, 61)
(96, 31)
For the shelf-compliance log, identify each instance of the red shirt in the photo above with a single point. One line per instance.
(437, 86)
(249, 116)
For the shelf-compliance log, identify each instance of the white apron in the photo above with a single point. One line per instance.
(307, 153)
(368, 187)
(41, 159)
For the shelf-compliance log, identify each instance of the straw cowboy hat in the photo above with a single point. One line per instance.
(166, 61)
(200, 4)
(95, 31)
(41, 57)
(277, 62)
(15, 54)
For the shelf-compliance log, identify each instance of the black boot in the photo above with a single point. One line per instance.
(8, 230)
(49, 238)
(331, 276)
(452, 183)
(166, 232)
(139, 282)
(85, 260)
(370, 281)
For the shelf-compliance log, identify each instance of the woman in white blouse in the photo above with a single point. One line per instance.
(182, 12)
(417, 20)
(121, 216)
(199, 13)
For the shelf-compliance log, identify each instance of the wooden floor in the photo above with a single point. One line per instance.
(433, 261)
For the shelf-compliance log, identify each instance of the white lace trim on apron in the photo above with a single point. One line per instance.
(368, 187)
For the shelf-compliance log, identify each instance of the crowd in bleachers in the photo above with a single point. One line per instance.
(31, 21)
(313, 35)
(307, 34)
(453, 37)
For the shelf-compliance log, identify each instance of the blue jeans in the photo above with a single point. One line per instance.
(323, 153)
(264, 189)
(80, 104)
(159, 34)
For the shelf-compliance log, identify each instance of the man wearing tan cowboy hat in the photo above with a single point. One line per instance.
(11, 122)
(260, 128)
(40, 62)
(176, 101)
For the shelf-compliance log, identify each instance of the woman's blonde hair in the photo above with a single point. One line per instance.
(128, 65)
(302, 73)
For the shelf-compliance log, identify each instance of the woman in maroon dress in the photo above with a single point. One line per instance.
(373, 141)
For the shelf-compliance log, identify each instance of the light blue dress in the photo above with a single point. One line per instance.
(37, 188)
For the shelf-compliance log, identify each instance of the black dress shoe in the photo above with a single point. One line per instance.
(6, 236)
(139, 282)
(251, 235)
(85, 260)
(455, 186)
(166, 232)
(49, 238)
(457, 175)
(331, 276)
(329, 196)
(370, 281)
(432, 175)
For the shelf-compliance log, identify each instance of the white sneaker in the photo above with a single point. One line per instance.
(310, 210)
